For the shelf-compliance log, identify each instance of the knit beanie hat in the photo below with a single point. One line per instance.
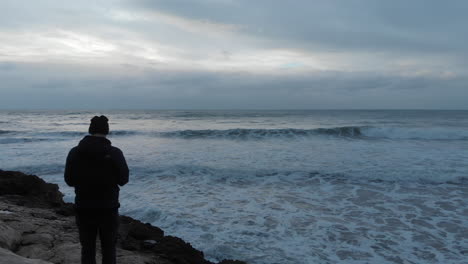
(99, 125)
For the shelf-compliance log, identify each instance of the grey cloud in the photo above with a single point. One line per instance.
(56, 88)
(398, 26)
(431, 34)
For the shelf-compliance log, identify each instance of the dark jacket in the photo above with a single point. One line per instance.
(95, 168)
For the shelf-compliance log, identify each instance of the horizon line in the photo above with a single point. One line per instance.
(230, 109)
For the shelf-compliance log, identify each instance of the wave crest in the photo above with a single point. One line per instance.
(6, 132)
(357, 132)
(83, 133)
(243, 133)
(353, 132)
(416, 133)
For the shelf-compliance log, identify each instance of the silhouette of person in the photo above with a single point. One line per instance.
(96, 169)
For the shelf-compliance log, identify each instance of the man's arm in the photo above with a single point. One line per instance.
(70, 170)
(122, 167)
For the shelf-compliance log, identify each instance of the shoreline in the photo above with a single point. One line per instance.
(38, 227)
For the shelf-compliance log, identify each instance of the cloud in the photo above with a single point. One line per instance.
(331, 24)
(125, 86)
(233, 54)
(353, 34)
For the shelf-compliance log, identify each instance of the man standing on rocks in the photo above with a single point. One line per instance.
(96, 169)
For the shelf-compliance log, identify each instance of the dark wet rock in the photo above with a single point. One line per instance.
(36, 190)
(36, 226)
(67, 209)
(133, 234)
(179, 251)
(228, 261)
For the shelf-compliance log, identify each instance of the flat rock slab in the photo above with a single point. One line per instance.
(8, 257)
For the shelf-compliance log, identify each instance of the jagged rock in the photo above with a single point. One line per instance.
(31, 186)
(179, 251)
(133, 233)
(67, 209)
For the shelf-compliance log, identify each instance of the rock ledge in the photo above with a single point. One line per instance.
(37, 227)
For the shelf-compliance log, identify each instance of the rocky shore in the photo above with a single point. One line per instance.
(38, 227)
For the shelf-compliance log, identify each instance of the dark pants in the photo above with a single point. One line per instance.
(91, 222)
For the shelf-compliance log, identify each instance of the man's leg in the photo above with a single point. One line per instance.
(87, 228)
(108, 228)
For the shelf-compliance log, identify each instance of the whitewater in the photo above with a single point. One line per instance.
(307, 186)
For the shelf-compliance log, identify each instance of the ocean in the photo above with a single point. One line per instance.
(289, 187)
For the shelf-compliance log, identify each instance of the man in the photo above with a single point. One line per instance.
(96, 169)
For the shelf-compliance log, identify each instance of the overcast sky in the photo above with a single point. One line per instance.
(235, 54)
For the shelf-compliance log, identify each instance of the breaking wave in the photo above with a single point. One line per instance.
(361, 132)
(6, 132)
(123, 133)
(21, 140)
(421, 133)
(351, 132)
(242, 133)
(81, 133)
